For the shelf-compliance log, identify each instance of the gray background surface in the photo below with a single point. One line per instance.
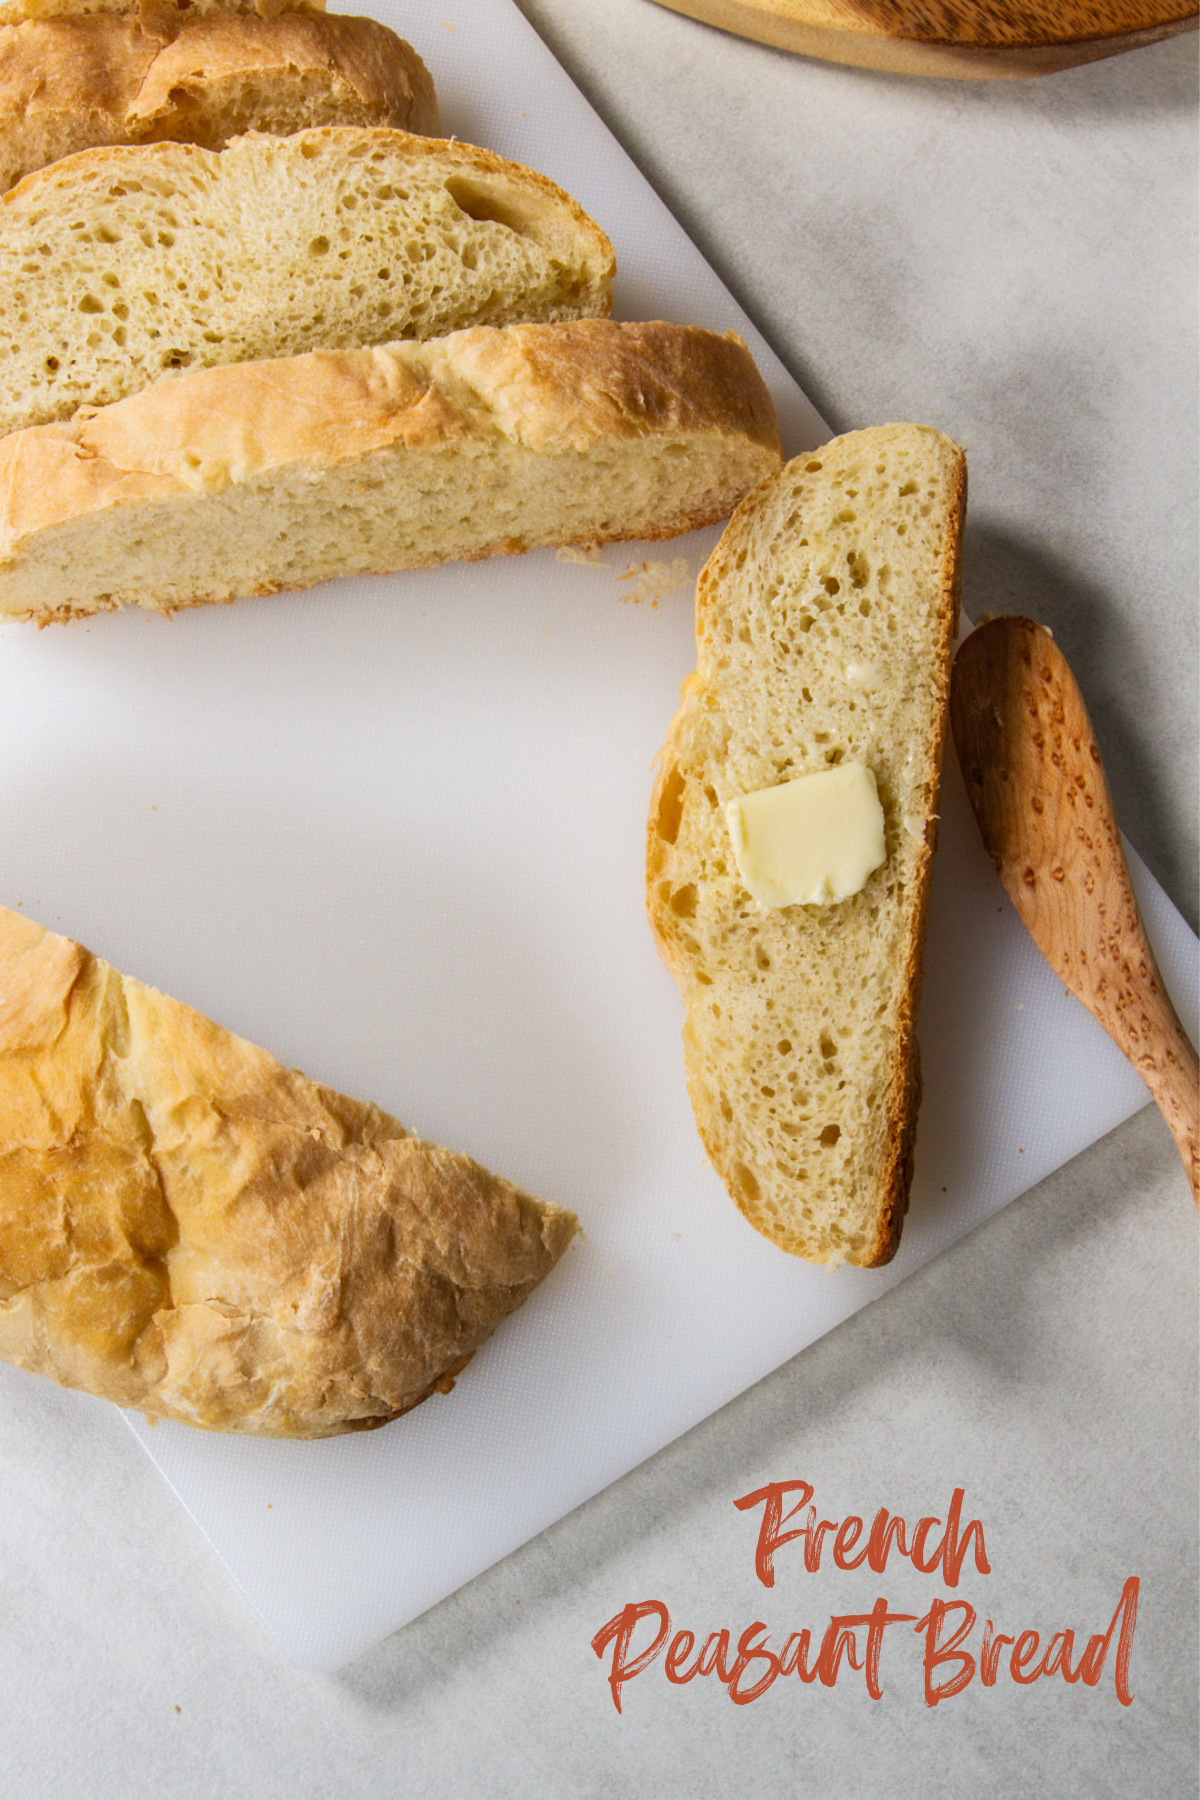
(1016, 264)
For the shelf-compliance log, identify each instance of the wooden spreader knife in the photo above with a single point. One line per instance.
(1037, 786)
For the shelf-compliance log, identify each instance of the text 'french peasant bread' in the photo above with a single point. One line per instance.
(119, 264)
(189, 1228)
(275, 475)
(825, 622)
(68, 83)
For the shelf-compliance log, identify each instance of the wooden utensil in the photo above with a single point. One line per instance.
(1036, 783)
(972, 40)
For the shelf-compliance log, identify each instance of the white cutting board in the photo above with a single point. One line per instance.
(393, 830)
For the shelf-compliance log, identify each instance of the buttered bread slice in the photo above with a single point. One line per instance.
(792, 827)
(120, 265)
(189, 1228)
(76, 80)
(229, 482)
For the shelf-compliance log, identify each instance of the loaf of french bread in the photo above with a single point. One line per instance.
(190, 1228)
(14, 12)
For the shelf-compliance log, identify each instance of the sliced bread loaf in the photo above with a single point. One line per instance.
(271, 475)
(119, 264)
(190, 1228)
(825, 621)
(67, 83)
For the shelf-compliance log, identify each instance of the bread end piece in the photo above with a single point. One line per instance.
(825, 624)
(189, 1228)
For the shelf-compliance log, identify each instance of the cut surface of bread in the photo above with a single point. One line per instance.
(117, 265)
(245, 480)
(189, 1228)
(825, 622)
(69, 83)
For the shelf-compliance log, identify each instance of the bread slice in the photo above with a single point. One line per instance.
(68, 83)
(825, 621)
(189, 1228)
(274, 475)
(117, 265)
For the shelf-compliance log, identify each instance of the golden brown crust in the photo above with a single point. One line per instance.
(190, 1228)
(159, 15)
(904, 1096)
(104, 79)
(204, 431)
(368, 67)
(538, 385)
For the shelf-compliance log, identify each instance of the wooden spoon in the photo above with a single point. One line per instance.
(1036, 782)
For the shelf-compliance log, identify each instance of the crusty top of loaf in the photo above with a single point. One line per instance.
(188, 1227)
(363, 53)
(139, 69)
(564, 385)
(12, 12)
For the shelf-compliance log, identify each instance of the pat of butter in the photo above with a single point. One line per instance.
(811, 841)
(864, 675)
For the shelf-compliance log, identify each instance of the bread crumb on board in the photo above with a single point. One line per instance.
(654, 578)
